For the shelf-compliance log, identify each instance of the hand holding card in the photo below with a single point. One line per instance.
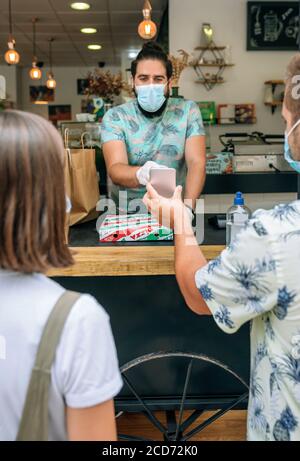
(163, 181)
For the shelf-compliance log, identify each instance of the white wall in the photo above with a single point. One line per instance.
(65, 92)
(244, 81)
(10, 73)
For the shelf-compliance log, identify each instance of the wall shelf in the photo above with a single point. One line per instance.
(212, 65)
(274, 82)
(275, 103)
(207, 124)
(217, 60)
(207, 81)
(213, 48)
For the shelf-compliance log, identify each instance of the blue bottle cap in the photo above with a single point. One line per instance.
(239, 199)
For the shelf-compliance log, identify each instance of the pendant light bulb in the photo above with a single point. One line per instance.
(11, 56)
(35, 72)
(51, 82)
(147, 28)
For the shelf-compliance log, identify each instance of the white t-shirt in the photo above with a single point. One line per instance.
(85, 371)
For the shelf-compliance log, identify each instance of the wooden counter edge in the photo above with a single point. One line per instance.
(126, 261)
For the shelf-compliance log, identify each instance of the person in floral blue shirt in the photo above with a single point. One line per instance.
(257, 279)
(153, 131)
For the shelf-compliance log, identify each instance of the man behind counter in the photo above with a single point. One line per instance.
(154, 131)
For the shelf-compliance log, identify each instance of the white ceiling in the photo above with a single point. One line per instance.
(116, 21)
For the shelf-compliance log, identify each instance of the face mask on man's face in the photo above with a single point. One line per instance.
(287, 150)
(151, 97)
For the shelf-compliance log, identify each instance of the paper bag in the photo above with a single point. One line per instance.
(81, 182)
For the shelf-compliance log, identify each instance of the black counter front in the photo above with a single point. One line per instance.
(251, 183)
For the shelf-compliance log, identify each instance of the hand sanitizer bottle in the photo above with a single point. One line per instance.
(236, 218)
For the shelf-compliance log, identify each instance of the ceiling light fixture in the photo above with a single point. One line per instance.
(147, 28)
(51, 82)
(94, 47)
(80, 6)
(88, 30)
(35, 72)
(11, 56)
(132, 54)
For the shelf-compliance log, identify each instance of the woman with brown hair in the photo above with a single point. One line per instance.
(84, 376)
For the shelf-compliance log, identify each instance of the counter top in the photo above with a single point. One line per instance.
(126, 261)
(94, 259)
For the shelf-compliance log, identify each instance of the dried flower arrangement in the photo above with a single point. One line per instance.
(106, 85)
(179, 64)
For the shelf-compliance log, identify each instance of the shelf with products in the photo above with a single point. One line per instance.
(274, 82)
(211, 65)
(273, 103)
(218, 124)
(271, 97)
(227, 114)
(206, 81)
(217, 59)
(212, 48)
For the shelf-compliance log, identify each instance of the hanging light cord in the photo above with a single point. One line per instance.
(34, 35)
(50, 53)
(10, 20)
(147, 10)
(108, 9)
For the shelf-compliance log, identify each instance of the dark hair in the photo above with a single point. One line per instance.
(152, 50)
(32, 194)
(292, 103)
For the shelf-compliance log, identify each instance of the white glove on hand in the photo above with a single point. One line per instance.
(143, 174)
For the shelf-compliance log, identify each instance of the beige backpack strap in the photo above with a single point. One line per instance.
(34, 421)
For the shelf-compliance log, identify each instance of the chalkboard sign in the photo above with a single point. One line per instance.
(273, 26)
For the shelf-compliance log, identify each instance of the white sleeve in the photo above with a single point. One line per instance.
(86, 363)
